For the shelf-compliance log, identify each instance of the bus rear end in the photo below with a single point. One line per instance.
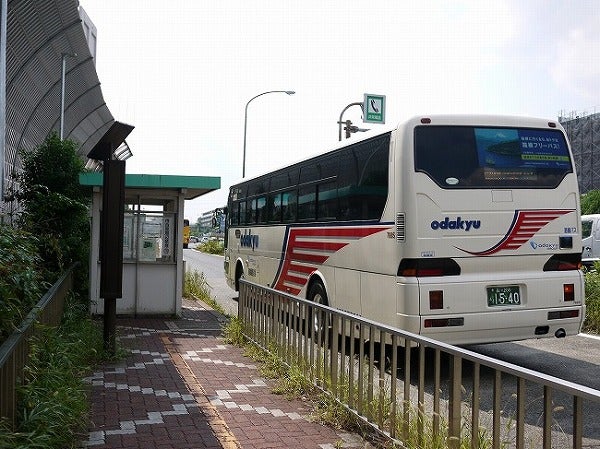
(492, 244)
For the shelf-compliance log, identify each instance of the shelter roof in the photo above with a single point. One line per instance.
(191, 186)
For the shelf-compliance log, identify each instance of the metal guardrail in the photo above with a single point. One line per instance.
(432, 391)
(15, 350)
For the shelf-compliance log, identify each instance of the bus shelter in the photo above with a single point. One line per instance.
(153, 268)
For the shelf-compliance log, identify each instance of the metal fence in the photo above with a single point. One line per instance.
(15, 350)
(430, 395)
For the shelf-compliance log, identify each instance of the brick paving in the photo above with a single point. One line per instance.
(181, 386)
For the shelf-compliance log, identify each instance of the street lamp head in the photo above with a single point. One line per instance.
(290, 92)
(71, 55)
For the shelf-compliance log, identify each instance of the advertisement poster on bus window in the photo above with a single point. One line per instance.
(524, 148)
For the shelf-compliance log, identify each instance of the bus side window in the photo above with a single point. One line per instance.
(251, 211)
(274, 208)
(261, 209)
(327, 201)
(373, 183)
(242, 213)
(363, 181)
(307, 203)
(289, 205)
(234, 214)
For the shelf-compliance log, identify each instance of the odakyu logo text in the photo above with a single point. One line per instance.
(457, 223)
(543, 245)
(249, 241)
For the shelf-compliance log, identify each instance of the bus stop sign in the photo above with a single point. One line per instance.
(374, 111)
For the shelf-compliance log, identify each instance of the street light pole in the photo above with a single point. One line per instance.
(62, 91)
(289, 92)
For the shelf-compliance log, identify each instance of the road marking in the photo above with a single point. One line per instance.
(594, 337)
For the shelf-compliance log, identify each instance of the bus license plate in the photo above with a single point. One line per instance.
(504, 296)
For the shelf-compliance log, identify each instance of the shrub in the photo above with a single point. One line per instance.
(21, 284)
(53, 402)
(590, 202)
(212, 247)
(592, 300)
(55, 205)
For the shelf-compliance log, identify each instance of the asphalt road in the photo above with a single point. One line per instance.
(212, 267)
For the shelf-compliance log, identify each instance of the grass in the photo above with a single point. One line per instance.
(53, 402)
(197, 288)
(592, 300)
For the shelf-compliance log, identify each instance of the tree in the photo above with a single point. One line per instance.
(590, 202)
(55, 205)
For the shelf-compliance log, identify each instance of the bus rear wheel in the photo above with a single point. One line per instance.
(318, 318)
(239, 272)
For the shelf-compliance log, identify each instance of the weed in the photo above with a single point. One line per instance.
(592, 300)
(196, 287)
(233, 332)
(53, 400)
(294, 384)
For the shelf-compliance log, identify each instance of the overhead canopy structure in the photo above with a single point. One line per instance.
(38, 33)
(191, 186)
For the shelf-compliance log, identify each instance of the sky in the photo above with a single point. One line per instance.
(183, 71)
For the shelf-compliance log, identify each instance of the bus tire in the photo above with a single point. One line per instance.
(239, 272)
(318, 319)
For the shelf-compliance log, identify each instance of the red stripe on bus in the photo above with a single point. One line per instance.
(322, 246)
(314, 258)
(294, 279)
(525, 224)
(306, 269)
(300, 243)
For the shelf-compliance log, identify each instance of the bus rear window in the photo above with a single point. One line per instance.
(482, 157)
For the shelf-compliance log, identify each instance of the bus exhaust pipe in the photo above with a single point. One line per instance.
(560, 333)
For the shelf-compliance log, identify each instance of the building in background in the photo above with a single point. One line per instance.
(205, 221)
(584, 134)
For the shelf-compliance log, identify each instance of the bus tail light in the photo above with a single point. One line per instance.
(563, 262)
(444, 322)
(436, 299)
(558, 315)
(428, 267)
(569, 292)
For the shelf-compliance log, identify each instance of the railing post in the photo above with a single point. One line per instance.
(455, 399)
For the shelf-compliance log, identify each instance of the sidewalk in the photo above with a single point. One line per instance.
(182, 387)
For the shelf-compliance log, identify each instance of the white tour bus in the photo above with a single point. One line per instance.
(460, 228)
